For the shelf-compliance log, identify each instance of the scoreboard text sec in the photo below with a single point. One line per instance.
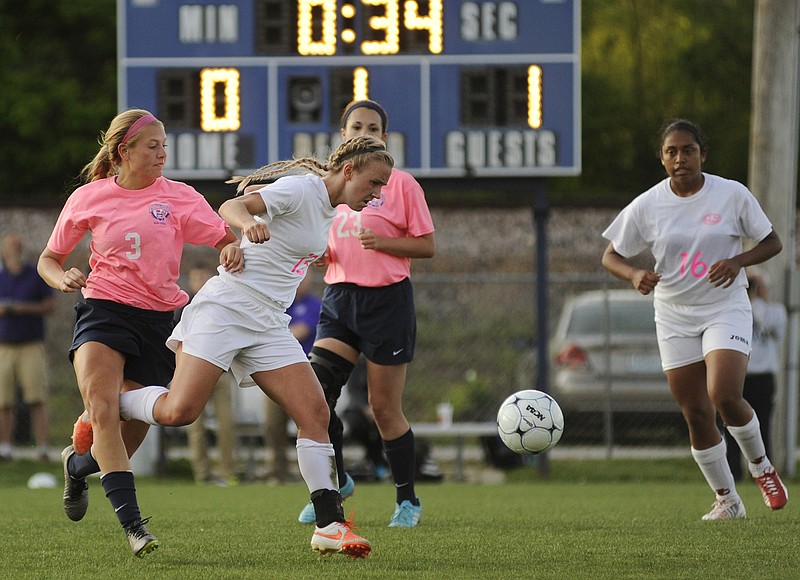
(472, 88)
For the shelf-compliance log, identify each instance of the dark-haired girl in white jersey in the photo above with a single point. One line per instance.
(694, 224)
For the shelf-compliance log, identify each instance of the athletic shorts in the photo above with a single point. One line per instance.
(686, 334)
(137, 333)
(236, 329)
(24, 363)
(379, 322)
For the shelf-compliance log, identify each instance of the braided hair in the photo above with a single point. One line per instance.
(360, 151)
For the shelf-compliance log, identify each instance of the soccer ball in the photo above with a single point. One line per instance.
(530, 422)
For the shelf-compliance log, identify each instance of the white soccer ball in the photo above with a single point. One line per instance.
(42, 480)
(530, 422)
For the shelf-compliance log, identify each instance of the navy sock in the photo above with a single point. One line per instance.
(79, 466)
(400, 454)
(121, 492)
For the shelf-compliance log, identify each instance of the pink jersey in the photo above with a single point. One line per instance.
(400, 212)
(137, 239)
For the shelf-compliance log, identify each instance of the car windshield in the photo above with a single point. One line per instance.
(627, 316)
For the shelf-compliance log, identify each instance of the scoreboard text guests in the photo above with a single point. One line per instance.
(485, 88)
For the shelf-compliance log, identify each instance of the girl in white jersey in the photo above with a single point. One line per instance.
(368, 307)
(139, 222)
(237, 321)
(694, 224)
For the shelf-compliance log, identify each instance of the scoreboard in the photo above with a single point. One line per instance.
(472, 88)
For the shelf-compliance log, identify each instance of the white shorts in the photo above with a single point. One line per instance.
(235, 331)
(686, 334)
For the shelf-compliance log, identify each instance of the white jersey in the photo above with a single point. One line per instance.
(299, 216)
(769, 327)
(687, 235)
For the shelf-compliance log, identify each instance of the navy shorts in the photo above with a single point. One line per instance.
(379, 322)
(138, 334)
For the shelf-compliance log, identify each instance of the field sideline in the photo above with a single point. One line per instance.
(590, 519)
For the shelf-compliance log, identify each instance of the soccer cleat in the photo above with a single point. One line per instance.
(141, 540)
(76, 491)
(406, 515)
(82, 435)
(772, 489)
(309, 516)
(726, 509)
(339, 537)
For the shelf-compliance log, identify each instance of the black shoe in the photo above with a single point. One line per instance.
(76, 491)
(141, 540)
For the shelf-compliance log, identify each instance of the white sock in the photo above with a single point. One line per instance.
(714, 466)
(317, 465)
(139, 404)
(5, 449)
(748, 436)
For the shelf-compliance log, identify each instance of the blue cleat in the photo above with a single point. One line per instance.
(406, 515)
(309, 516)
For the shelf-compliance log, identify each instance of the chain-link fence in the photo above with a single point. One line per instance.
(477, 344)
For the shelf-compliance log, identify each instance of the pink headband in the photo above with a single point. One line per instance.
(140, 124)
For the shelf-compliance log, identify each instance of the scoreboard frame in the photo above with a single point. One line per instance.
(486, 88)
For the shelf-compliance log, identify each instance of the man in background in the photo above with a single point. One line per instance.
(305, 315)
(25, 299)
(769, 328)
(221, 399)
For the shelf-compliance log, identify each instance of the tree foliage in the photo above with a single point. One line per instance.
(646, 61)
(58, 73)
(643, 61)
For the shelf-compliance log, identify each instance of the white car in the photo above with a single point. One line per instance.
(602, 330)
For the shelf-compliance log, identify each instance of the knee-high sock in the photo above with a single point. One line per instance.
(751, 443)
(121, 492)
(139, 404)
(715, 468)
(317, 465)
(401, 458)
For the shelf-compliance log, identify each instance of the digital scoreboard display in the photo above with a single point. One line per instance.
(472, 88)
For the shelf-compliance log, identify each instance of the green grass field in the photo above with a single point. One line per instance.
(589, 519)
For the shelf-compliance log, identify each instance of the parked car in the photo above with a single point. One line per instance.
(599, 327)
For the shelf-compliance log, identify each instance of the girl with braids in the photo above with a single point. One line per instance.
(368, 308)
(238, 321)
(139, 222)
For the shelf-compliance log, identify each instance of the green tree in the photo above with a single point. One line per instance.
(58, 75)
(645, 61)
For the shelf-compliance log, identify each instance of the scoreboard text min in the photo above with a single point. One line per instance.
(472, 88)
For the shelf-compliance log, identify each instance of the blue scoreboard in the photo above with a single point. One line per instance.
(472, 88)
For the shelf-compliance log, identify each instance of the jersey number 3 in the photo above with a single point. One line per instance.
(136, 246)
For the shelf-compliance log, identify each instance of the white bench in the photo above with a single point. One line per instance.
(457, 431)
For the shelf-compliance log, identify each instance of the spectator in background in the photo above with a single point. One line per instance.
(769, 328)
(25, 299)
(223, 410)
(305, 315)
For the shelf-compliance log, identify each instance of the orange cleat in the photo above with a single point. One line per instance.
(82, 434)
(339, 537)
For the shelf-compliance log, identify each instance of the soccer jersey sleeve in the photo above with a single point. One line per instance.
(625, 233)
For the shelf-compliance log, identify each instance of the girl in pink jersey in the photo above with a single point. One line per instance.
(694, 224)
(139, 222)
(238, 321)
(368, 307)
